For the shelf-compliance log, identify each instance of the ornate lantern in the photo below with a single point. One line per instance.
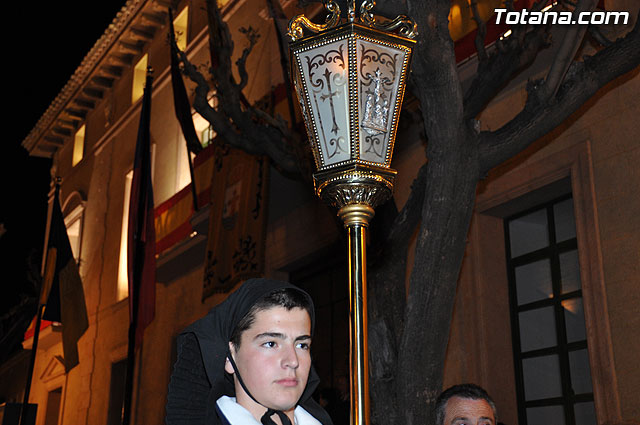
(350, 81)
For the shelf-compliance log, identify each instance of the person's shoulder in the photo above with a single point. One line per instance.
(305, 418)
(222, 418)
(233, 413)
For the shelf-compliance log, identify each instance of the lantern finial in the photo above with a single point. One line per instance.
(404, 25)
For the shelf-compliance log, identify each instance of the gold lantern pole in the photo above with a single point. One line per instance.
(356, 218)
(350, 81)
(355, 196)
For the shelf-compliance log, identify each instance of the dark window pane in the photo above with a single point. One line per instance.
(585, 413)
(528, 233)
(547, 280)
(537, 329)
(547, 415)
(541, 377)
(580, 372)
(53, 407)
(574, 319)
(116, 392)
(533, 282)
(565, 223)
(570, 271)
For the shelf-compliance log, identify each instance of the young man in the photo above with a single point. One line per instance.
(466, 404)
(248, 361)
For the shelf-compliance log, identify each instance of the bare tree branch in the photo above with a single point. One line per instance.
(567, 3)
(482, 32)
(540, 115)
(495, 72)
(280, 24)
(512, 54)
(221, 49)
(570, 43)
(250, 129)
(508, 4)
(598, 36)
(435, 73)
(253, 36)
(409, 217)
(239, 124)
(201, 104)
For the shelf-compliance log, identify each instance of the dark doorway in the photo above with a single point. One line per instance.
(326, 280)
(53, 407)
(116, 392)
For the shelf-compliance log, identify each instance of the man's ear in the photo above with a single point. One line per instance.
(227, 364)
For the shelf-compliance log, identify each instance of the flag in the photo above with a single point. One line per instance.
(180, 99)
(237, 223)
(141, 241)
(65, 300)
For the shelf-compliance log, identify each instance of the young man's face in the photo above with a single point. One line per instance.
(273, 360)
(467, 411)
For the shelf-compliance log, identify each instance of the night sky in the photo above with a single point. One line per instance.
(44, 44)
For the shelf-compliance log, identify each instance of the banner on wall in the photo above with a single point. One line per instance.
(237, 224)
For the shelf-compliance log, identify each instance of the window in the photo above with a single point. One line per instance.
(123, 278)
(73, 210)
(204, 129)
(122, 291)
(53, 407)
(73, 231)
(553, 377)
(78, 146)
(180, 26)
(207, 135)
(73, 222)
(116, 392)
(139, 78)
(183, 173)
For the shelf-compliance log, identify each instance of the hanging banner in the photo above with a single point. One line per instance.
(237, 224)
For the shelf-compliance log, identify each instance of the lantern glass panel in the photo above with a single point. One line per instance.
(325, 72)
(379, 76)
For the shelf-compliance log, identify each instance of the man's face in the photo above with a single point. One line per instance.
(273, 359)
(464, 411)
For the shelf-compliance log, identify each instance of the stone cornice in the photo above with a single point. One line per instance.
(90, 62)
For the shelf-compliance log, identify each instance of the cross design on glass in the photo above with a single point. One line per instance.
(330, 95)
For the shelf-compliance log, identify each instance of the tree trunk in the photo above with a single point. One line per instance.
(447, 209)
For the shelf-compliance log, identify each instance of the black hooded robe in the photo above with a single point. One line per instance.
(199, 379)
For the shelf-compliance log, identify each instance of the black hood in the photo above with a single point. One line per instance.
(212, 334)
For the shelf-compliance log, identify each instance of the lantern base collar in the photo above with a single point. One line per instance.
(356, 215)
(362, 184)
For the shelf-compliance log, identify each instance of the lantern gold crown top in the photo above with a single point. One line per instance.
(403, 24)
